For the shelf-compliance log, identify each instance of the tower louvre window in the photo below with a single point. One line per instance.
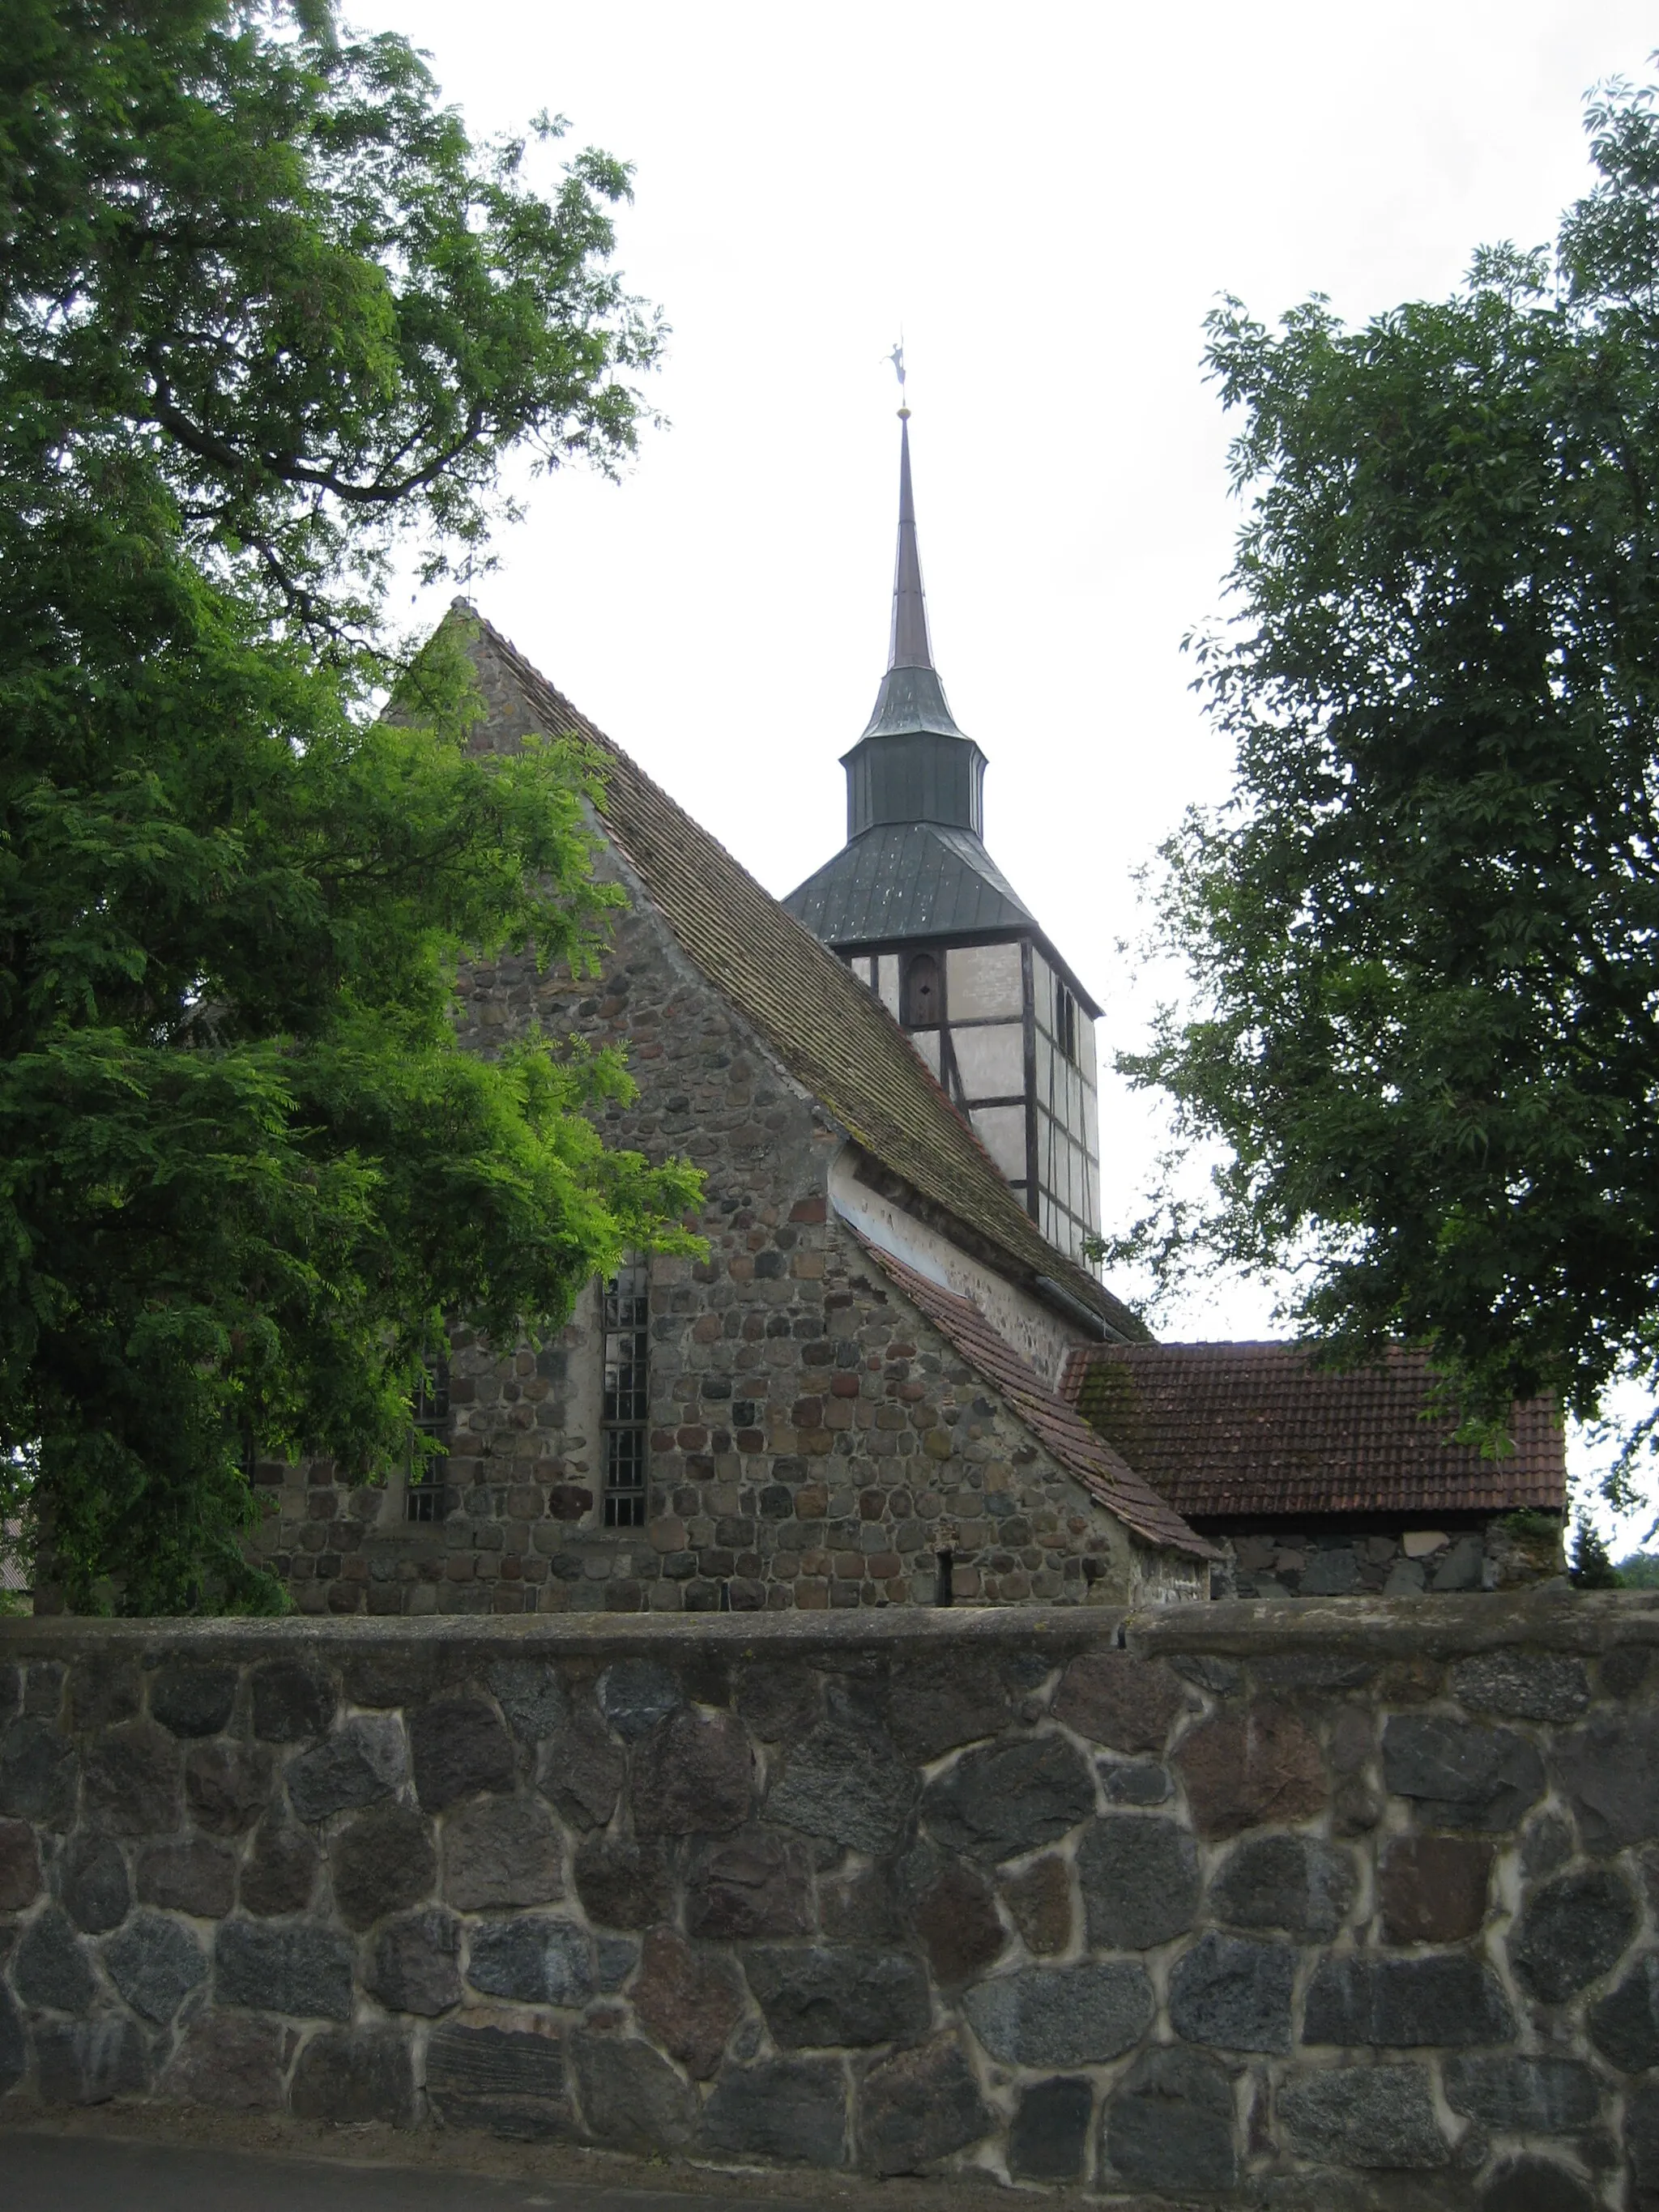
(923, 998)
(1066, 1022)
(424, 1486)
(627, 1324)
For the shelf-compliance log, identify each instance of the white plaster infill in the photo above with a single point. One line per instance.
(1042, 1338)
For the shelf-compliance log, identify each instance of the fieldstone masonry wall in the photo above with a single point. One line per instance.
(1378, 1556)
(814, 1442)
(1292, 1905)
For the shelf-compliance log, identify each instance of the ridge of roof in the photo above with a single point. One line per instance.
(832, 1034)
(1257, 1427)
(1102, 1470)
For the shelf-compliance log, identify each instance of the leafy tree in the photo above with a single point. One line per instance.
(265, 310)
(1592, 1566)
(1425, 935)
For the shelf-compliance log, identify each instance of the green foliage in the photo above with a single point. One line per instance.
(1592, 1568)
(1531, 1527)
(261, 310)
(1640, 1570)
(273, 276)
(1425, 935)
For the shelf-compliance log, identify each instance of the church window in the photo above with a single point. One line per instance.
(424, 1486)
(627, 1320)
(922, 994)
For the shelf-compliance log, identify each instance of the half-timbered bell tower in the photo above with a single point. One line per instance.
(920, 911)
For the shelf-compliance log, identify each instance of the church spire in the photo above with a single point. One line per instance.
(910, 647)
(911, 698)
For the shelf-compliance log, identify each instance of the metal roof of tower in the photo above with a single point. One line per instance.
(908, 880)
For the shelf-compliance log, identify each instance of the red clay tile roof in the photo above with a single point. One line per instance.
(1101, 1471)
(832, 1034)
(1225, 1430)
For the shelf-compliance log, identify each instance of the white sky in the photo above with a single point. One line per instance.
(1048, 199)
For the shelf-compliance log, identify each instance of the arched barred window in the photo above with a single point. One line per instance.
(423, 1484)
(626, 1334)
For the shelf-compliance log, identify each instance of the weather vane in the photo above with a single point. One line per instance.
(897, 357)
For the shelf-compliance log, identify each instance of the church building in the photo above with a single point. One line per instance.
(894, 1379)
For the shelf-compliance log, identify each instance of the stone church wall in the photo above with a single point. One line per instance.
(1385, 1555)
(813, 1443)
(1348, 1906)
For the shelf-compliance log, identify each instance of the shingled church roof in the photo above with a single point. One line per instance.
(1229, 1431)
(831, 1033)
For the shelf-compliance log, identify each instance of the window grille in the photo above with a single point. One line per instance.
(626, 1320)
(424, 1485)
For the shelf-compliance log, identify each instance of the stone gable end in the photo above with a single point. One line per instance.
(813, 1441)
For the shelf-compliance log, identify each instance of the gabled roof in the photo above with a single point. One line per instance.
(908, 879)
(1102, 1471)
(1225, 1431)
(833, 1036)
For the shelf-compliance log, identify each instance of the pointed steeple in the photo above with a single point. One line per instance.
(917, 906)
(911, 698)
(910, 647)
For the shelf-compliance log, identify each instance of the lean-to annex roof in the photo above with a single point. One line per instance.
(1236, 1430)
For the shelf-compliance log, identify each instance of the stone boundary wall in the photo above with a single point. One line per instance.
(1293, 1905)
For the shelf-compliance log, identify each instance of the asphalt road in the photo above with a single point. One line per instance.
(67, 2174)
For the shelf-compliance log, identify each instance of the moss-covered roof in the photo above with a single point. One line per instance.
(1228, 1429)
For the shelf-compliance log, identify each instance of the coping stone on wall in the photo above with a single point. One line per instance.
(1548, 1618)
